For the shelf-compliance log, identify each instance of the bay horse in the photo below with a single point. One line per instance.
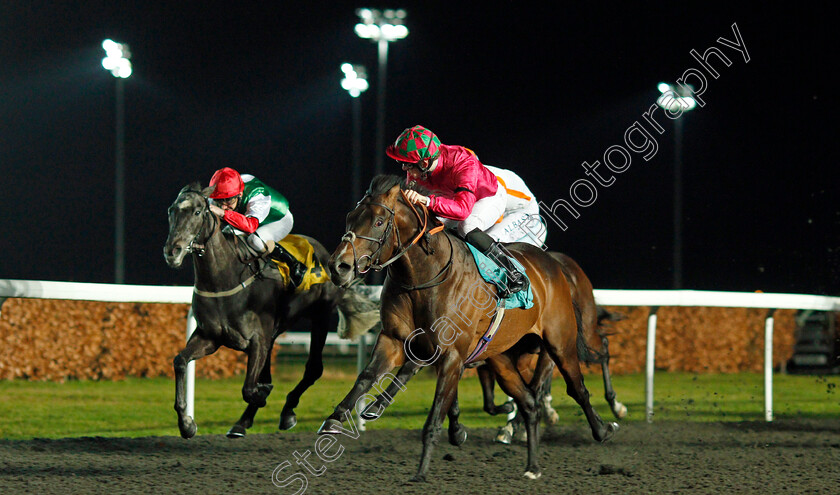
(240, 301)
(430, 317)
(596, 351)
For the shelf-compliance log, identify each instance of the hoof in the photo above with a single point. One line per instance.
(188, 427)
(619, 410)
(506, 408)
(330, 427)
(532, 475)
(458, 436)
(417, 478)
(550, 416)
(609, 431)
(236, 431)
(503, 437)
(372, 412)
(287, 421)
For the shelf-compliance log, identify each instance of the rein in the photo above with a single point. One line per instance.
(423, 220)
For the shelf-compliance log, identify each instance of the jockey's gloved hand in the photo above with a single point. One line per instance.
(217, 211)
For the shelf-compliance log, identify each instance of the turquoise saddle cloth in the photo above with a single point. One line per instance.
(493, 273)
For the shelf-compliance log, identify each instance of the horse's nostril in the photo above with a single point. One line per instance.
(344, 267)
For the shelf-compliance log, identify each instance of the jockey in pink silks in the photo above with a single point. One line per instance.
(485, 205)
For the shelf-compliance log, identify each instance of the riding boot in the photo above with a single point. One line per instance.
(516, 280)
(297, 270)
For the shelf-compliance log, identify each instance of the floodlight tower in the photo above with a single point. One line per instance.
(117, 61)
(677, 100)
(381, 27)
(355, 82)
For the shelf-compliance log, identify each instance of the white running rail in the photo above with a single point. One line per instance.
(650, 298)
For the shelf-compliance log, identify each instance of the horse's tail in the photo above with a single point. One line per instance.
(605, 315)
(585, 352)
(357, 314)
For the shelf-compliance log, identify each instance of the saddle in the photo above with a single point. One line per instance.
(298, 247)
(302, 250)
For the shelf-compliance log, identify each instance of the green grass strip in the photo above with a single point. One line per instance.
(143, 406)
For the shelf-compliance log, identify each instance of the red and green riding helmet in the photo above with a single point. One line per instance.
(414, 144)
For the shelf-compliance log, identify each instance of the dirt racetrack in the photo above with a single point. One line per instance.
(664, 457)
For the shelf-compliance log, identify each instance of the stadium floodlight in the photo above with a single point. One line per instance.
(117, 58)
(377, 25)
(355, 79)
(117, 62)
(381, 27)
(677, 100)
(355, 82)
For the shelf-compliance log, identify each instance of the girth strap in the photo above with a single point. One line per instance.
(225, 293)
(489, 334)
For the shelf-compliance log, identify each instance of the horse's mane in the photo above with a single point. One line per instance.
(381, 184)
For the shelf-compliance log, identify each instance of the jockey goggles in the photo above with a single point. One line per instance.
(227, 201)
(406, 166)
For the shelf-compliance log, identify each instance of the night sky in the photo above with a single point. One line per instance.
(536, 89)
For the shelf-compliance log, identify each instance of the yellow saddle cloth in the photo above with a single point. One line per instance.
(302, 249)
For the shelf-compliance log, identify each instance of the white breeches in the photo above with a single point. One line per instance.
(274, 231)
(511, 215)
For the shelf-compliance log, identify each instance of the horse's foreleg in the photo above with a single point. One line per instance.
(457, 432)
(374, 410)
(313, 371)
(264, 388)
(449, 373)
(386, 354)
(619, 410)
(512, 384)
(197, 347)
(258, 352)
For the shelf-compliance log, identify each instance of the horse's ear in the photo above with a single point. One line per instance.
(207, 191)
(394, 191)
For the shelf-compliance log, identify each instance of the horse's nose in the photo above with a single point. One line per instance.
(173, 252)
(343, 268)
(342, 272)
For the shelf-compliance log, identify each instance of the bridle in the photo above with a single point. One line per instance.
(195, 247)
(199, 248)
(375, 263)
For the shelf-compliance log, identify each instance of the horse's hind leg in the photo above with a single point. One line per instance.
(567, 361)
(619, 410)
(313, 371)
(264, 388)
(539, 382)
(488, 382)
(197, 347)
(512, 384)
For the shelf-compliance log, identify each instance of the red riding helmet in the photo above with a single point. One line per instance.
(228, 183)
(414, 144)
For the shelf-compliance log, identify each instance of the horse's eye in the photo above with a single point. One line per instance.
(378, 223)
(198, 212)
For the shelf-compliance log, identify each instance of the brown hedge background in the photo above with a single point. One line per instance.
(59, 340)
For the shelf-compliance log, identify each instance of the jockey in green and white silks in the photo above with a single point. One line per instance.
(249, 206)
